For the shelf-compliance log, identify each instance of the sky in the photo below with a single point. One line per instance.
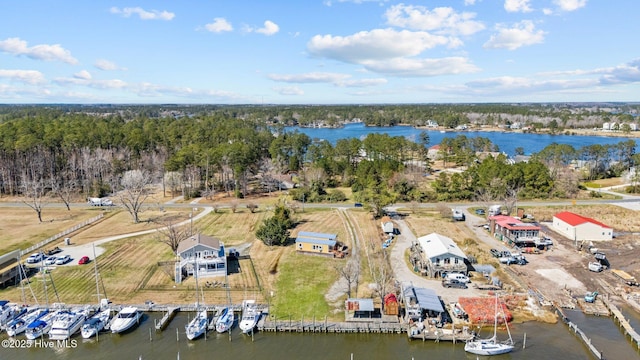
(318, 51)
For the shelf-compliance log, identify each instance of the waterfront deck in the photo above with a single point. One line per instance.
(324, 326)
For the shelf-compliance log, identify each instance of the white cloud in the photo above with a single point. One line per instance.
(268, 29)
(107, 65)
(313, 77)
(18, 47)
(521, 34)
(469, 2)
(84, 75)
(517, 6)
(341, 80)
(289, 90)
(409, 67)
(570, 5)
(219, 25)
(441, 20)
(31, 77)
(378, 44)
(143, 14)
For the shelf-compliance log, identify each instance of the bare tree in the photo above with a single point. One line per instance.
(252, 207)
(511, 199)
(171, 233)
(34, 191)
(173, 180)
(350, 273)
(64, 187)
(134, 191)
(382, 276)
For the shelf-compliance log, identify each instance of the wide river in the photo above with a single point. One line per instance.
(543, 341)
(507, 141)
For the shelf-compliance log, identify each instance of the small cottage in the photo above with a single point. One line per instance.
(440, 255)
(200, 255)
(316, 243)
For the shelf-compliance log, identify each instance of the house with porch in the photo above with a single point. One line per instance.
(202, 255)
(440, 255)
(514, 232)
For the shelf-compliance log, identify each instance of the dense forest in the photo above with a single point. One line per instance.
(72, 151)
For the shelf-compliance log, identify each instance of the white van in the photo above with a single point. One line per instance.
(460, 277)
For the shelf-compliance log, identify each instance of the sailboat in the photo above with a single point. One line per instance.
(227, 317)
(198, 326)
(491, 346)
(100, 320)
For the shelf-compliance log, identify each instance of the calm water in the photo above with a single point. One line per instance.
(543, 341)
(506, 141)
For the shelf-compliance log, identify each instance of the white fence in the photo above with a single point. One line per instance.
(59, 235)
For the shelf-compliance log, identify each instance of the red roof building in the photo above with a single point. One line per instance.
(514, 231)
(581, 228)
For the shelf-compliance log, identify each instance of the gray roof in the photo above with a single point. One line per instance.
(427, 298)
(309, 234)
(364, 304)
(437, 245)
(198, 239)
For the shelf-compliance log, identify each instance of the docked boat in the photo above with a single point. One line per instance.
(8, 312)
(198, 325)
(19, 325)
(125, 319)
(491, 346)
(225, 320)
(95, 324)
(250, 316)
(66, 323)
(40, 327)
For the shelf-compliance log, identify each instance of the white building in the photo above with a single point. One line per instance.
(579, 228)
(441, 254)
(201, 252)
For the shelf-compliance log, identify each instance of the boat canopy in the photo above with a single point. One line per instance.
(427, 299)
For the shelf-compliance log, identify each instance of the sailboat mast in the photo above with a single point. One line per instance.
(95, 269)
(495, 319)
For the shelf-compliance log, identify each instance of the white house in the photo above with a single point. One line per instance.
(202, 252)
(441, 254)
(387, 225)
(579, 228)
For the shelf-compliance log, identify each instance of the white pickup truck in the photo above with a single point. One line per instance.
(595, 266)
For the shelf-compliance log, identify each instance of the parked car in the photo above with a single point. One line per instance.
(35, 258)
(453, 283)
(595, 266)
(51, 260)
(357, 205)
(479, 211)
(459, 277)
(508, 260)
(83, 260)
(63, 260)
(54, 251)
(496, 253)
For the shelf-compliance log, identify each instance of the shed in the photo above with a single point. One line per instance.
(361, 308)
(390, 304)
(316, 243)
(387, 225)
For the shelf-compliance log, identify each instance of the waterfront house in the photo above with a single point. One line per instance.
(440, 254)
(316, 243)
(580, 228)
(201, 253)
(513, 231)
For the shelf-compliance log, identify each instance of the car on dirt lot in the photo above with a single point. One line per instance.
(496, 253)
(453, 283)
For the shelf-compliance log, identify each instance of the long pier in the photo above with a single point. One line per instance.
(623, 322)
(323, 326)
(597, 353)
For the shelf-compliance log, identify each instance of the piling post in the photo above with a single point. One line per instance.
(177, 335)
(150, 337)
(524, 341)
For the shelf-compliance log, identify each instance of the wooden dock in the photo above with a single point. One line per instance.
(323, 326)
(426, 332)
(597, 353)
(623, 322)
(166, 319)
(596, 308)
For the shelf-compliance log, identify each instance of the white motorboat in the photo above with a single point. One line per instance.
(40, 327)
(66, 323)
(9, 311)
(19, 325)
(198, 325)
(491, 346)
(225, 320)
(125, 319)
(95, 324)
(250, 316)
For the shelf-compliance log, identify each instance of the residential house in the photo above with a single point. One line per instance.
(201, 253)
(514, 231)
(316, 243)
(580, 228)
(441, 255)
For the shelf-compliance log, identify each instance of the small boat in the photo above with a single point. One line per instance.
(40, 327)
(66, 323)
(95, 324)
(198, 325)
(225, 320)
(250, 316)
(8, 312)
(125, 319)
(491, 346)
(19, 325)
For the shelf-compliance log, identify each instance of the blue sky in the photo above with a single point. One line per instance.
(319, 51)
